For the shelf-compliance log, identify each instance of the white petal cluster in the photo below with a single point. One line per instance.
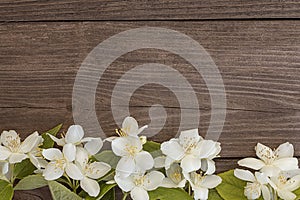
(74, 161)
(12, 150)
(277, 173)
(190, 157)
(131, 171)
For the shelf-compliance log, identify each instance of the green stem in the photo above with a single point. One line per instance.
(69, 180)
(190, 189)
(125, 196)
(273, 194)
(12, 177)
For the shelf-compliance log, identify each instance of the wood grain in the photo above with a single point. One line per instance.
(32, 10)
(258, 60)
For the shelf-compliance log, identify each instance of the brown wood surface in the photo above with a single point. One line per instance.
(33, 10)
(43, 43)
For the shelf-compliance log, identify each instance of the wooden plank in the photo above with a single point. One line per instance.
(258, 60)
(27, 10)
(39, 62)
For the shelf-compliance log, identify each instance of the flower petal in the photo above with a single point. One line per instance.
(4, 167)
(126, 166)
(97, 170)
(90, 186)
(138, 193)
(59, 141)
(153, 180)
(262, 178)
(122, 145)
(208, 166)
(74, 134)
(251, 163)
(208, 149)
(200, 193)
(190, 163)
(130, 126)
(52, 172)
(73, 171)
(270, 170)
(126, 184)
(52, 154)
(189, 137)
(82, 157)
(263, 152)
(168, 183)
(265, 192)
(159, 162)
(245, 175)
(93, 145)
(4, 153)
(17, 157)
(285, 150)
(211, 181)
(293, 183)
(172, 149)
(175, 173)
(286, 195)
(142, 129)
(286, 164)
(69, 151)
(144, 161)
(8, 136)
(252, 191)
(31, 142)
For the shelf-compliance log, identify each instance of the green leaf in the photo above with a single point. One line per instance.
(105, 188)
(48, 142)
(108, 157)
(151, 146)
(23, 169)
(213, 195)
(169, 193)
(58, 192)
(231, 187)
(110, 195)
(31, 182)
(6, 190)
(297, 193)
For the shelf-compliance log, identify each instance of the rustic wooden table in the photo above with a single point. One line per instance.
(255, 44)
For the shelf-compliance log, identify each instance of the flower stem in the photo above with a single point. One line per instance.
(189, 189)
(125, 194)
(273, 194)
(12, 176)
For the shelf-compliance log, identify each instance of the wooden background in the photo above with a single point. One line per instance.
(255, 44)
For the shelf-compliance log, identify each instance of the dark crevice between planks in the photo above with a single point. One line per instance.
(150, 20)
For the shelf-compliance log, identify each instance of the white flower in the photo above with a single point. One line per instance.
(190, 149)
(133, 158)
(14, 150)
(272, 162)
(256, 185)
(90, 172)
(138, 185)
(131, 128)
(201, 183)
(175, 178)
(61, 162)
(285, 183)
(75, 135)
